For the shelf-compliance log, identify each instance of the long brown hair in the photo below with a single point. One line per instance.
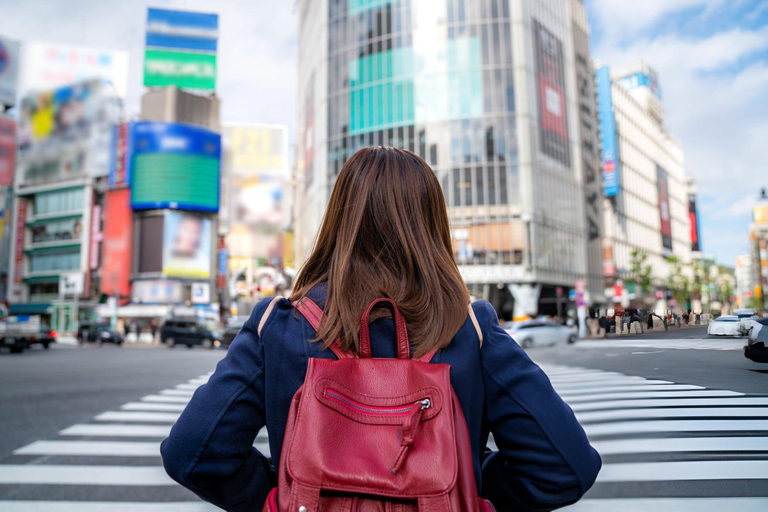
(386, 234)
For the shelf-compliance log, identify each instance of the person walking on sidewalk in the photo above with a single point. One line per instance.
(385, 237)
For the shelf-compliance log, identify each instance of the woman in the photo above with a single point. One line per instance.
(385, 234)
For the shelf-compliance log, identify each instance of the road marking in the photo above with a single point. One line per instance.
(138, 416)
(598, 377)
(177, 392)
(687, 470)
(642, 427)
(121, 448)
(636, 387)
(111, 506)
(676, 344)
(169, 399)
(117, 430)
(146, 406)
(84, 475)
(705, 393)
(674, 412)
(188, 386)
(684, 444)
(667, 505)
(668, 402)
(617, 382)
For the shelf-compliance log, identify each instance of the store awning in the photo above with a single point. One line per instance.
(30, 309)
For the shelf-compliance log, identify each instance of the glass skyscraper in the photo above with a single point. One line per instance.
(488, 96)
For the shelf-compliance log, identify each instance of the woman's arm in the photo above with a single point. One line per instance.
(544, 460)
(210, 448)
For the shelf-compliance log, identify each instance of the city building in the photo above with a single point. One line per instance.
(64, 147)
(648, 197)
(498, 97)
(255, 211)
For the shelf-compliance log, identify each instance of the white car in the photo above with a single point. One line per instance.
(725, 326)
(745, 319)
(532, 333)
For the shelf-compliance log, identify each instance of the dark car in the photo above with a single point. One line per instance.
(98, 332)
(189, 332)
(231, 332)
(756, 349)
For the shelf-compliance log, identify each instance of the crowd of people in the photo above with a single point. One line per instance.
(602, 322)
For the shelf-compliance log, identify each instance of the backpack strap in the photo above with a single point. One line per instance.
(429, 355)
(266, 314)
(314, 315)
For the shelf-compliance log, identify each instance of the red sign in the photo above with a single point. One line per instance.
(7, 150)
(117, 246)
(21, 225)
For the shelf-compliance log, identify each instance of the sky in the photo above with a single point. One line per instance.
(711, 57)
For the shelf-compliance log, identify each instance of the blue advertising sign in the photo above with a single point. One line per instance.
(640, 79)
(174, 165)
(608, 139)
(182, 30)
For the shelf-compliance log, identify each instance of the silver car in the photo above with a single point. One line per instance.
(531, 333)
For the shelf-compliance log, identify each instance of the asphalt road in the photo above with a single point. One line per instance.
(680, 419)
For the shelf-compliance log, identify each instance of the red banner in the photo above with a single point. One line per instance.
(21, 225)
(7, 150)
(117, 246)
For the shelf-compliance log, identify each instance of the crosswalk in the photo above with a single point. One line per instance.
(666, 446)
(719, 343)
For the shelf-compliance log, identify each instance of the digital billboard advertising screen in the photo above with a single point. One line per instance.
(175, 166)
(186, 245)
(665, 216)
(693, 217)
(608, 139)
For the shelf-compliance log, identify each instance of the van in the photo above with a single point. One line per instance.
(189, 332)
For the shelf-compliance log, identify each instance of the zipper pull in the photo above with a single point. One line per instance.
(410, 427)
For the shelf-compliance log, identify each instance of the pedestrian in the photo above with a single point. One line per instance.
(650, 321)
(602, 322)
(634, 318)
(625, 317)
(677, 319)
(385, 234)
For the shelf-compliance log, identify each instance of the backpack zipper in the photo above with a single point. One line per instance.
(401, 410)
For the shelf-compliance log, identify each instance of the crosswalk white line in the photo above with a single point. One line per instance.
(117, 430)
(674, 412)
(83, 475)
(139, 416)
(636, 387)
(594, 377)
(684, 444)
(685, 470)
(617, 382)
(669, 505)
(647, 427)
(103, 448)
(177, 392)
(107, 506)
(166, 399)
(669, 402)
(704, 393)
(187, 386)
(147, 406)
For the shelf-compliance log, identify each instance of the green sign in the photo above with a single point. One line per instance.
(183, 69)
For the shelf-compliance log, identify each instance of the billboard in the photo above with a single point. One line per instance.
(181, 49)
(641, 79)
(760, 213)
(51, 65)
(18, 263)
(693, 218)
(157, 291)
(608, 137)
(665, 216)
(7, 150)
(186, 245)
(118, 171)
(550, 77)
(117, 243)
(9, 70)
(173, 165)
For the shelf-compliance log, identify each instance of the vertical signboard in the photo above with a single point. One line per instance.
(18, 263)
(181, 49)
(665, 216)
(117, 247)
(608, 137)
(309, 133)
(118, 173)
(7, 150)
(550, 76)
(693, 217)
(95, 236)
(221, 278)
(9, 70)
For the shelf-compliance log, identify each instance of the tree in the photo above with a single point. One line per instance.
(639, 272)
(679, 281)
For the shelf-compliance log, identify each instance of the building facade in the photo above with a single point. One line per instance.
(498, 98)
(647, 193)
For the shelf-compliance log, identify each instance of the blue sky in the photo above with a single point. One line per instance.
(711, 56)
(712, 61)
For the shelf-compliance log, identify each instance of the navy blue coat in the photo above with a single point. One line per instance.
(544, 460)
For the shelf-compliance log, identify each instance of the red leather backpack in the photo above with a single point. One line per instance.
(369, 434)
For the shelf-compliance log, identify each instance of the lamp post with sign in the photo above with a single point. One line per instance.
(70, 283)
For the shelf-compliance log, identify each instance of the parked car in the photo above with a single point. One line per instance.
(232, 330)
(745, 316)
(531, 333)
(189, 332)
(728, 325)
(22, 331)
(756, 349)
(98, 332)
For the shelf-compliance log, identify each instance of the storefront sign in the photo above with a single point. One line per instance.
(201, 293)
